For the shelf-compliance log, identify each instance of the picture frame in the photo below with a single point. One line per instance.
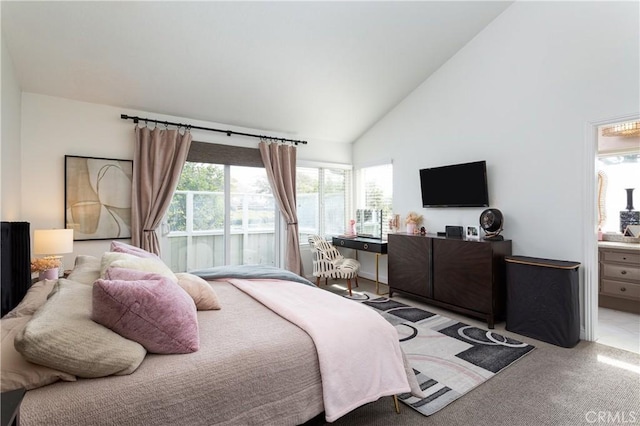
(472, 232)
(97, 197)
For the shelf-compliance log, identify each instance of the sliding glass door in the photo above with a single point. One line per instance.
(220, 215)
(252, 236)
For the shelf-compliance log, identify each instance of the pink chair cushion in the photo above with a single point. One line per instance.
(153, 311)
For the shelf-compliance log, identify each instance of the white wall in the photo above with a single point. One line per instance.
(521, 95)
(518, 96)
(10, 155)
(54, 127)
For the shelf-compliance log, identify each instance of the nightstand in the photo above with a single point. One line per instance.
(10, 409)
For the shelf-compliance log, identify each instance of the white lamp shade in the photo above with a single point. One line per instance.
(52, 241)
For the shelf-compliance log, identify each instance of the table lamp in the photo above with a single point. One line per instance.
(53, 243)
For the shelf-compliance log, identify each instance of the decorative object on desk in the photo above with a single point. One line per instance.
(423, 231)
(352, 228)
(473, 232)
(52, 243)
(451, 231)
(47, 267)
(394, 223)
(98, 197)
(412, 221)
(491, 222)
(629, 216)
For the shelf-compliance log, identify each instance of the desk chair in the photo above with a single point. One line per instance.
(329, 263)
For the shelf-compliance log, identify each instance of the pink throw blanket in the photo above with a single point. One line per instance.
(358, 350)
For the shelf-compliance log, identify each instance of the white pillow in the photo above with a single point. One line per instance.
(61, 335)
(129, 261)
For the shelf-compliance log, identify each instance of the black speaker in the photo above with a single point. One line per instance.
(453, 231)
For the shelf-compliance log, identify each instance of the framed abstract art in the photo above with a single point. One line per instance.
(97, 194)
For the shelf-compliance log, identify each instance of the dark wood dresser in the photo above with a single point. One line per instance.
(466, 276)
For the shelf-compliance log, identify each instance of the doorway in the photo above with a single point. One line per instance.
(615, 306)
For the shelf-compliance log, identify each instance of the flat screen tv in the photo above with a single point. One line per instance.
(456, 185)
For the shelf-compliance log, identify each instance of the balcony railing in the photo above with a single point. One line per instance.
(204, 250)
(252, 231)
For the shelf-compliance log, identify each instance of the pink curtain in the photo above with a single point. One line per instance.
(280, 164)
(158, 159)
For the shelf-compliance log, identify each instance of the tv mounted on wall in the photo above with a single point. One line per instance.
(456, 185)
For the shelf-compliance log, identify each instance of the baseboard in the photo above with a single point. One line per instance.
(372, 277)
(366, 275)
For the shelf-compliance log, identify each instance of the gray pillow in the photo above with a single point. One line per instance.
(86, 269)
(61, 335)
(36, 296)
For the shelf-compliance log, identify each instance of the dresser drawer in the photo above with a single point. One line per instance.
(622, 257)
(621, 289)
(621, 272)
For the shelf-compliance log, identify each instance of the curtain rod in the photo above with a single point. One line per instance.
(189, 126)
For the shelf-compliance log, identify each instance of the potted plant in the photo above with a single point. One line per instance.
(413, 221)
(47, 267)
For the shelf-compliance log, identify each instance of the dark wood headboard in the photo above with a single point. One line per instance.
(15, 263)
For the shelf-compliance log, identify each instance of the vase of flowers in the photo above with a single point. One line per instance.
(413, 221)
(47, 267)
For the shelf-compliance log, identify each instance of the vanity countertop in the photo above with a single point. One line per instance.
(619, 245)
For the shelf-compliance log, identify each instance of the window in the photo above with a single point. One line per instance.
(375, 191)
(221, 214)
(323, 201)
(224, 213)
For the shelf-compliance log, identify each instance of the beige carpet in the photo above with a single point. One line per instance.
(550, 386)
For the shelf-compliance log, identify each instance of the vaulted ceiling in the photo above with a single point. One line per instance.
(317, 70)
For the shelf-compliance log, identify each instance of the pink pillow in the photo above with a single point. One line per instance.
(198, 289)
(120, 247)
(154, 312)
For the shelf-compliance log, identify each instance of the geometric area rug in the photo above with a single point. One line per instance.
(449, 358)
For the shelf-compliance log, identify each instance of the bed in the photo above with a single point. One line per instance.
(251, 366)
